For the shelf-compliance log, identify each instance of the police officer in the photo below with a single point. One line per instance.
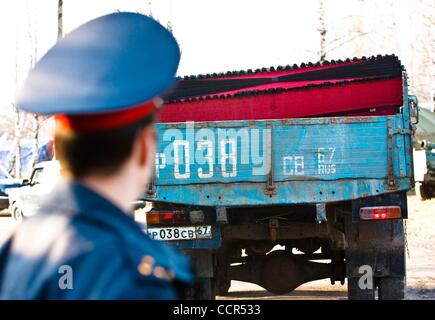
(102, 83)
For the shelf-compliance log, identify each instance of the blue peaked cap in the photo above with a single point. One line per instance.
(111, 63)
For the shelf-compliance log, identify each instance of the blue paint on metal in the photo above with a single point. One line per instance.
(287, 192)
(406, 121)
(355, 150)
(320, 212)
(313, 160)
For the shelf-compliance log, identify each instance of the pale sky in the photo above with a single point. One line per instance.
(214, 36)
(218, 35)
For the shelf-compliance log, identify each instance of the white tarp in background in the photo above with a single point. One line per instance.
(26, 154)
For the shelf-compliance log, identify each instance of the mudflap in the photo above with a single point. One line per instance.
(203, 264)
(375, 259)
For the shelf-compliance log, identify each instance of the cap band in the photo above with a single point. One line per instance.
(104, 121)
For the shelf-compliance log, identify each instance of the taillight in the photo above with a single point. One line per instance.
(166, 217)
(380, 213)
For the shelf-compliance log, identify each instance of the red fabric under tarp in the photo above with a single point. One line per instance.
(352, 97)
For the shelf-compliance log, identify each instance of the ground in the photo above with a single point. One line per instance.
(420, 262)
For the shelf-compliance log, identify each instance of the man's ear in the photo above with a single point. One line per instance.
(145, 138)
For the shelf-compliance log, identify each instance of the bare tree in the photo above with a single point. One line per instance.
(322, 31)
(150, 12)
(15, 159)
(14, 166)
(28, 125)
(337, 41)
(422, 52)
(36, 119)
(59, 19)
(169, 26)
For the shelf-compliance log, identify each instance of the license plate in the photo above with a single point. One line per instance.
(180, 233)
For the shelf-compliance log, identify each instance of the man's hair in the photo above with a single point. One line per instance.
(102, 153)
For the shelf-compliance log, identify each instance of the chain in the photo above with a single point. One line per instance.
(406, 241)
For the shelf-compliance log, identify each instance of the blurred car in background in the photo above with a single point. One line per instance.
(26, 200)
(6, 182)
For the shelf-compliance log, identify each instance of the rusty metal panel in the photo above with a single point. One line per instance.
(280, 161)
(288, 192)
(309, 149)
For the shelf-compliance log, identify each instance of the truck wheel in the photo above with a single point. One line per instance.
(17, 214)
(204, 289)
(354, 292)
(422, 191)
(203, 265)
(222, 287)
(221, 274)
(391, 288)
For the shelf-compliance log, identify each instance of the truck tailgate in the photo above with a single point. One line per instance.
(280, 161)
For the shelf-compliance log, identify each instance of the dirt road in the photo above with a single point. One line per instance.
(421, 244)
(420, 262)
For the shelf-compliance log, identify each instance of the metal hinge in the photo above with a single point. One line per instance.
(392, 131)
(401, 131)
(273, 228)
(270, 187)
(391, 181)
(151, 191)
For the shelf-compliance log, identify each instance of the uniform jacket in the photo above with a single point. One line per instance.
(81, 246)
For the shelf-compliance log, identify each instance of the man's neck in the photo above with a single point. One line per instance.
(118, 189)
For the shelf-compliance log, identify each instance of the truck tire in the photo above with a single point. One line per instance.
(222, 287)
(221, 276)
(422, 191)
(203, 263)
(391, 288)
(354, 292)
(379, 246)
(204, 289)
(17, 214)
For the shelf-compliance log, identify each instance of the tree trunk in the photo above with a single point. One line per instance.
(15, 160)
(59, 19)
(322, 31)
(36, 125)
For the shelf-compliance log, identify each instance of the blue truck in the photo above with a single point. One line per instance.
(424, 168)
(281, 201)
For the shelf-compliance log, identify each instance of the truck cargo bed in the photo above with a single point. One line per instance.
(312, 160)
(306, 134)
